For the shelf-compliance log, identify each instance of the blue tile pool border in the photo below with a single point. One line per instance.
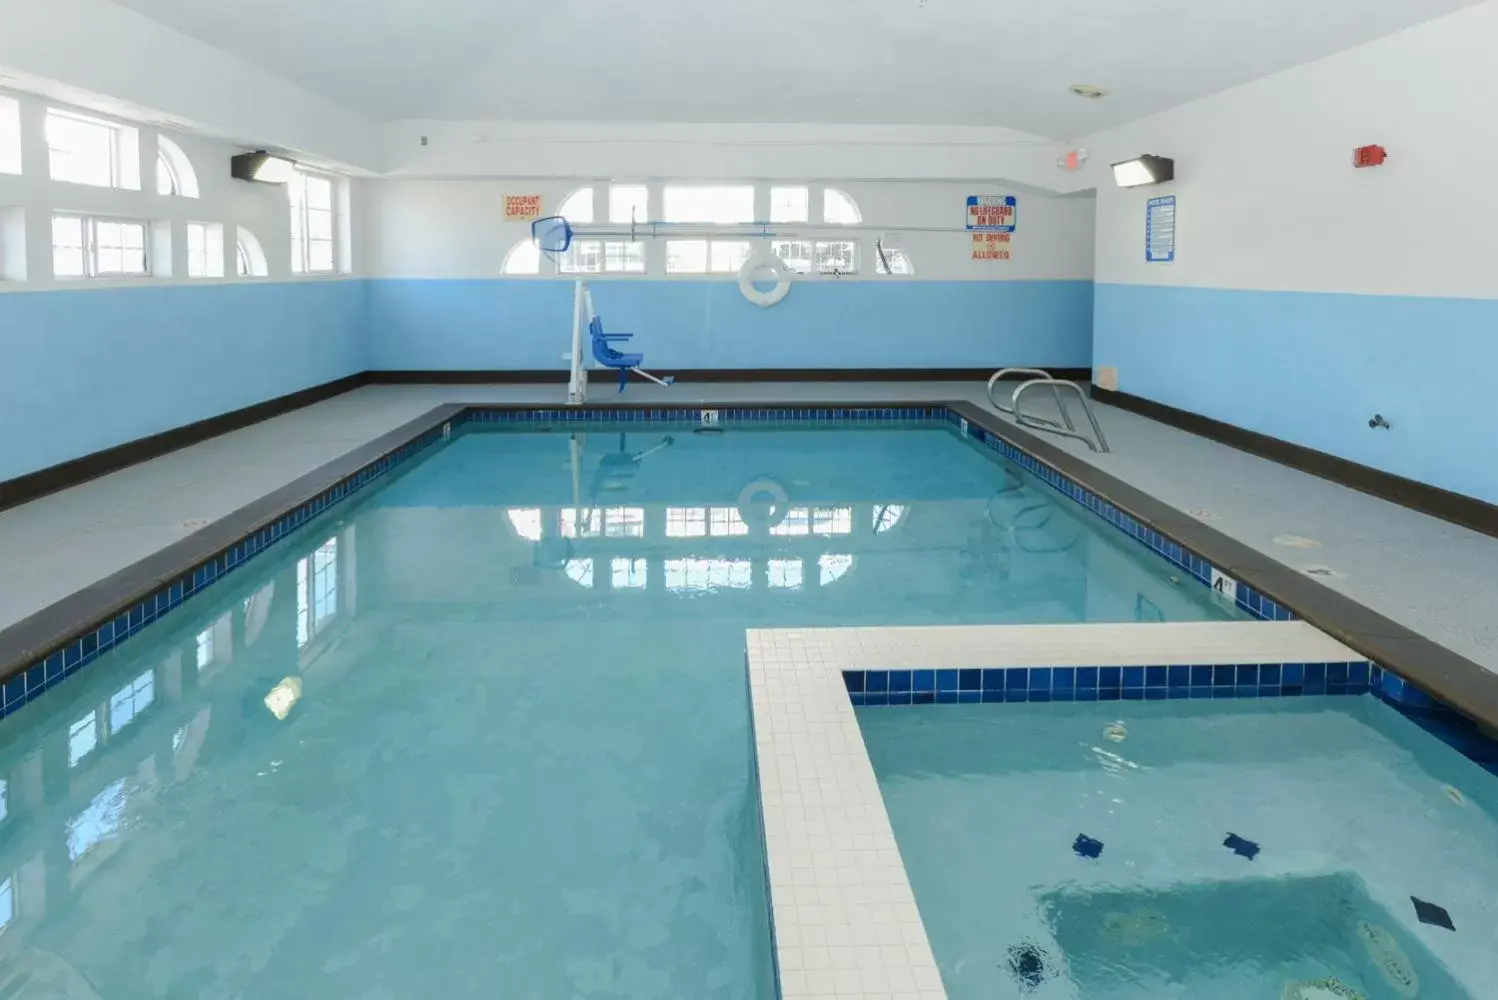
(30, 668)
(40, 673)
(1032, 685)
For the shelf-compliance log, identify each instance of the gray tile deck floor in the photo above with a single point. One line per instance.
(1435, 578)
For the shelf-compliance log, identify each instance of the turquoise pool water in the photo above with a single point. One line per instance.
(484, 731)
(1342, 810)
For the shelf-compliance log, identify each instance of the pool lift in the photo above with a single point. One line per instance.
(1098, 442)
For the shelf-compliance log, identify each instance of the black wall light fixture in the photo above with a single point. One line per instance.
(1142, 170)
(267, 168)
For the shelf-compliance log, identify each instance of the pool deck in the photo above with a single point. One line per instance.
(1435, 578)
(846, 922)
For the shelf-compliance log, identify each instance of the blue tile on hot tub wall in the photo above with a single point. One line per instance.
(1087, 677)
(1063, 679)
(1293, 673)
(946, 697)
(946, 680)
(1269, 673)
(1040, 679)
(1248, 675)
(1178, 677)
(1109, 677)
(899, 680)
(970, 680)
(923, 698)
(853, 681)
(1224, 676)
(969, 697)
(1201, 676)
(876, 681)
(1133, 677)
(1201, 693)
(923, 681)
(1156, 677)
(1016, 679)
(993, 680)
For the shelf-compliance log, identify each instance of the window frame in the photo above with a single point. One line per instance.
(123, 141)
(212, 262)
(301, 224)
(90, 247)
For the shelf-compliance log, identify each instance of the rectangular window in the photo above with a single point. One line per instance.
(582, 257)
(686, 522)
(624, 257)
(789, 204)
(795, 253)
(727, 256)
(83, 150)
(205, 250)
(627, 203)
(706, 256)
(837, 257)
(84, 247)
(686, 256)
(312, 223)
(723, 203)
(10, 135)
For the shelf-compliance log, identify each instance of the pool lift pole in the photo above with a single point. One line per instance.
(577, 382)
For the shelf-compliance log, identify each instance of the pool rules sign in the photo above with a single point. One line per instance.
(991, 220)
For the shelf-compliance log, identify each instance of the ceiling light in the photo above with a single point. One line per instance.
(263, 167)
(1087, 90)
(1142, 170)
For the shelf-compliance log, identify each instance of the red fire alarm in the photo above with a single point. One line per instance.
(1369, 156)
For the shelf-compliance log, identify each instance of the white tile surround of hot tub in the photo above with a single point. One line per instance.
(846, 922)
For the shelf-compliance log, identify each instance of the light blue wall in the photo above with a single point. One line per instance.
(85, 369)
(1311, 368)
(525, 324)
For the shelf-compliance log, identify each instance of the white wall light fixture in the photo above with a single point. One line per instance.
(1142, 170)
(263, 167)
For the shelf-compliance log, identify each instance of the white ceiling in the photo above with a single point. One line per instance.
(959, 62)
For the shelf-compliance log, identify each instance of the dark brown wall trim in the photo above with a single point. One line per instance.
(559, 376)
(34, 485)
(1466, 511)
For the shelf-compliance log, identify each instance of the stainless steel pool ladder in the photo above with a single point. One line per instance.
(1065, 428)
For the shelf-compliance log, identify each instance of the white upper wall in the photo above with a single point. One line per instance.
(101, 56)
(1267, 194)
(29, 200)
(727, 151)
(456, 229)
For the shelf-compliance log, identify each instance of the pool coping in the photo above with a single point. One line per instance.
(1453, 679)
(1459, 682)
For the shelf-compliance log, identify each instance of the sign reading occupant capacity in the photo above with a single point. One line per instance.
(991, 213)
(522, 206)
(1160, 230)
(992, 246)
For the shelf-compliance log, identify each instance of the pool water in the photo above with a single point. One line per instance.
(1247, 849)
(484, 732)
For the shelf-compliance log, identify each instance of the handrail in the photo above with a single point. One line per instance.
(1066, 417)
(1039, 423)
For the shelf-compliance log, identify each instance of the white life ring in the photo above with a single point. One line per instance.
(757, 261)
(753, 514)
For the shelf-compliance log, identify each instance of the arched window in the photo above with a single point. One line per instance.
(577, 207)
(524, 258)
(897, 261)
(174, 172)
(839, 209)
(249, 257)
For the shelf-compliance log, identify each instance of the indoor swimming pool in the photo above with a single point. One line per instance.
(1292, 849)
(483, 729)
